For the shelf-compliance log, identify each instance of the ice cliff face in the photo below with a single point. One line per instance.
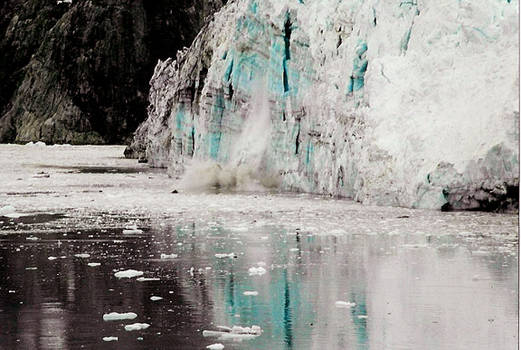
(407, 103)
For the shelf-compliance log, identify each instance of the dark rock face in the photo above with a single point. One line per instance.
(79, 72)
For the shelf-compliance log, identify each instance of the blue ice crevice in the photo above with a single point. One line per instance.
(356, 81)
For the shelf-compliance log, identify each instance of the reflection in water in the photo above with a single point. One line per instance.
(410, 291)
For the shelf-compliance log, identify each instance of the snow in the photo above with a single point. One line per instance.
(130, 273)
(256, 271)
(216, 346)
(136, 326)
(116, 316)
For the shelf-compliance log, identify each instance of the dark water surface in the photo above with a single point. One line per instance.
(410, 291)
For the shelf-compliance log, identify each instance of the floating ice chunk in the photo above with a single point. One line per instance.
(136, 326)
(32, 238)
(222, 256)
(294, 250)
(155, 298)
(116, 316)
(82, 255)
(256, 271)
(252, 293)
(237, 333)
(52, 258)
(128, 273)
(362, 317)
(110, 338)
(31, 268)
(168, 256)
(344, 304)
(146, 279)
(133, 231)
(216, 346)
(94, 264)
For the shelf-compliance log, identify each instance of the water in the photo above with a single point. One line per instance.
(419, 279)
(411, 291)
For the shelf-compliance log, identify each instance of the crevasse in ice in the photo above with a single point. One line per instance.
(407, 103)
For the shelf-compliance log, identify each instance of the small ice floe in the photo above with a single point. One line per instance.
(32, 238)
(116, 316)
(82, 255)
(52, 258)
(216, 346)
(136, 326)
(31, 268)
(132, 230)
(222, 256)
(128, 273)
(294, 250)
(344, 304)
(168, 256)
(256, 271)
(251, 293)
(362, 317)
(155, 298)
(236, 333)
(110, 338)
(147, 279)
(94, 264)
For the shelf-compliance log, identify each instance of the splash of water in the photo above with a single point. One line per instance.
(247, 168)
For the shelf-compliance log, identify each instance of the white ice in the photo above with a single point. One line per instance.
(116, 316)
(130, 273)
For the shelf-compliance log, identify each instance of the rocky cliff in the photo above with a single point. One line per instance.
(78, 71)
(405, 103)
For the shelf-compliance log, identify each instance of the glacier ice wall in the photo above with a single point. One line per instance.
(406, 103)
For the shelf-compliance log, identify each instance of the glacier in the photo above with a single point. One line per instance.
(399, 103)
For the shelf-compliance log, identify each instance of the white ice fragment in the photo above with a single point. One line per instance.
(294, 250)
(82, 255)
(136, 326)
(94, 264)
(344, 304)
(256, 271)
(237, 333)
(252, 293)
(216, 346)
(155, 298)
(133, 231)
(362, 317)
(110, 338)
(222, 256)
(168, 256)
(31, 268)
(116, 316)
(128, 273)
(52, 258)
(32, 238)
(146, 279)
